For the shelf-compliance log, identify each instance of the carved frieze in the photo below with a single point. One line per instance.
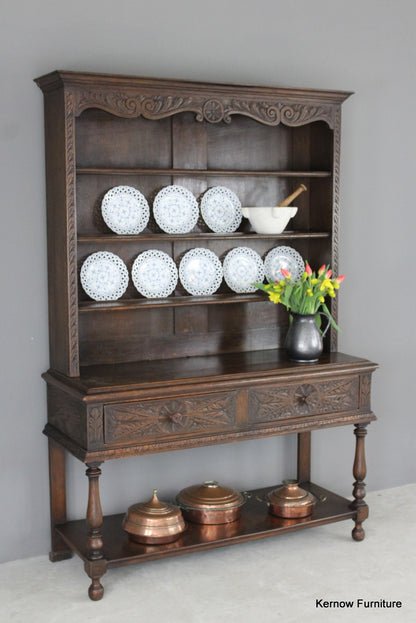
(212, 110)
(276, 403)
(124, 422)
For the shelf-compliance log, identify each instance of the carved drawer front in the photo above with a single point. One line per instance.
(160, 418)
(304, 398)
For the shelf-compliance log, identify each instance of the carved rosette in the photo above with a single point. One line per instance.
(173, 417)
(138, 420)
(278, 403)
(212, 110)
(306, 398)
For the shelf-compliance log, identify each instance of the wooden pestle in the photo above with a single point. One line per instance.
(289, 199)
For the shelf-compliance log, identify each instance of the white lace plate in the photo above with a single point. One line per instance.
(154, 274)
(125, 210)
(200, 272)
(221, 209)
(283, 257)
(175, 210)
(104, 276)
(242, 266)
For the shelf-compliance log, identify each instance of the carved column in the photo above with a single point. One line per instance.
(359, 472)
(95, 565)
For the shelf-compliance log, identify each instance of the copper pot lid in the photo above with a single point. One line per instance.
(153, 513)
(290, 494)
(209, 495)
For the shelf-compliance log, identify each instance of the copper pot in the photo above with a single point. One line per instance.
(210, 503)
(154, 522)
(290, 500)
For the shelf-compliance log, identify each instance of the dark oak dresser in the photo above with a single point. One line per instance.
(138, 375)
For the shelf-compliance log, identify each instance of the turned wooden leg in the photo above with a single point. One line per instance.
(95, 566)
(359, 472)
(57, 487)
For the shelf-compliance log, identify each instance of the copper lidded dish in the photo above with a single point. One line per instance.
(154, 522)
(290, 501)
(210, 503)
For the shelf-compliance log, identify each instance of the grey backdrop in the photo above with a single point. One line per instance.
(367, 46)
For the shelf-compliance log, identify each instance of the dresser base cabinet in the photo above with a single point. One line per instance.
(266, 397)
(137, 375)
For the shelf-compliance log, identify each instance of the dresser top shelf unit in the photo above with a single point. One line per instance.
(104, 130)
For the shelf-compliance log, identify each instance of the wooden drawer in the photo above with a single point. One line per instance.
(302, 399)
(155, 419)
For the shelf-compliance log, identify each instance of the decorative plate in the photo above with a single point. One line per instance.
(154, 274)
(283, 257)
(242, 266)
(221, 209)
(200, 272)
(104, 276)
(125, 210)
(175, 210)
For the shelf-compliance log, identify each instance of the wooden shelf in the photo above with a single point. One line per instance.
(287, 235)
(198, 172)
(171, 301)
(255, 523)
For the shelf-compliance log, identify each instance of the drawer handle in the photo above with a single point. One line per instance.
(176, 418)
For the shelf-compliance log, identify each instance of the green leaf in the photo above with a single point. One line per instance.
(261, 286)
(331, 320)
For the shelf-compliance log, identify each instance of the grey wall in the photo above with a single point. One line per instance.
(367, 46)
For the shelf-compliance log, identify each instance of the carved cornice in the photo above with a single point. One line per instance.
(211, 109)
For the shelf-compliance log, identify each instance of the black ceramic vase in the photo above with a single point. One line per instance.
(304, 341)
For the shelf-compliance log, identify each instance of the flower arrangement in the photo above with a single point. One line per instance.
(307, 295)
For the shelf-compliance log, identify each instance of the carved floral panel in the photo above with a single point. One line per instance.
(152, 419)
(297, 399)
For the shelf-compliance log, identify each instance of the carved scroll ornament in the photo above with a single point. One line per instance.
(212, 110)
